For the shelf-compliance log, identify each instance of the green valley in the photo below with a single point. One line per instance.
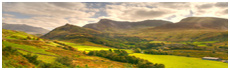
(172, 61)
(121, 45)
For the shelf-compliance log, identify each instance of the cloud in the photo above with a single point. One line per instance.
(225, 11)
(69, 5)
(221, 4)
(209, 9)
(146, 10)
(7, 15)
(174, 5)
(205, 6)
(52, 14)
(47, 15)
(44, 22)
(48, 9)
(141, 13)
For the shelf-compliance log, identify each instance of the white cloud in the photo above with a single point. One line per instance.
(212, 9)
(47, 9)
(52, 14)
(138, 11)
(48, 15)
(45, 22)
(143, 11)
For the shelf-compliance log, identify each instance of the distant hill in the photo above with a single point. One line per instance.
(188, 29)
(110, 25)
(25, 28)
(69, 31)
(82, 35)
(197, 23)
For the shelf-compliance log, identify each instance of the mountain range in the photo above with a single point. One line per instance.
(26, 28)
(197, 23)
(111, 25)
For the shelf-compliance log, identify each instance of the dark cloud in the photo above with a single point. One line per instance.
(143, 13)
(226, 11)
(69, 5)
(205, 6)
(170, 17)
(175, 5)
(221, 4)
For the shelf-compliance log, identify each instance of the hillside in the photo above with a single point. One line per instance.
(22, 50)
(107, 25)
(82, 35)
(25, 28)
(69, 31)
(197, 23)
(188, 29)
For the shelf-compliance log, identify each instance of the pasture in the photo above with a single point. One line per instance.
(90, 48)
(171, 61)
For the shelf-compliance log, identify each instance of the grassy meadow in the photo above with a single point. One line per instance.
(171, 61)
(90, 48)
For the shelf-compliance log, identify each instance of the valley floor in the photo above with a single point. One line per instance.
(171, 61)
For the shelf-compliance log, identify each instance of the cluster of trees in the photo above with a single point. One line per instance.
(109, 43)
(137, 50)
(188, 46)
(122, 56)
(60, 62)
(149, 45)
(67, 47)
(123, 42)
(116, 40)
(31, 38)
(157, 52)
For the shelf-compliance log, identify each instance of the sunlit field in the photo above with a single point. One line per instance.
(171, 61)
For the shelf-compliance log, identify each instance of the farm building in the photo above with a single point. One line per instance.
(211, 58)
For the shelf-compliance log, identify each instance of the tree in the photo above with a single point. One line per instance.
(110, 50)
(65, 60)
(138, 50)
(84, 52)
(28, 37)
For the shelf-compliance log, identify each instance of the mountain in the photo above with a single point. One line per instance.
(89, 36)
(110, 25)
(197, 23)
(188, 29)
(69, 31)
(25, 28)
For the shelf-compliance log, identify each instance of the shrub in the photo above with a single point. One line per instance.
(122, 56)
(52, 65)
(65, 60)
(138, 50)
(9, 50)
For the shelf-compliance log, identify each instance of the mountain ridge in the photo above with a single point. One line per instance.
(197, 23)
(26, 28)
(111, 25)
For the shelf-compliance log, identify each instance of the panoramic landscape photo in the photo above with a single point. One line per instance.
(114, 34)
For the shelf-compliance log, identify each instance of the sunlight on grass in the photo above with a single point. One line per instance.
(47, 59)
(26, 47)
(171, 61)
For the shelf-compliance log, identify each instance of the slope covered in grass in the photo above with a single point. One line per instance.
(47, 52)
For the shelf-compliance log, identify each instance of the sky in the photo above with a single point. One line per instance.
(50, 15)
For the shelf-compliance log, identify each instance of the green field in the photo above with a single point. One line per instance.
(171, 61)
(90, 48)
(33, 49)
(86, 48)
